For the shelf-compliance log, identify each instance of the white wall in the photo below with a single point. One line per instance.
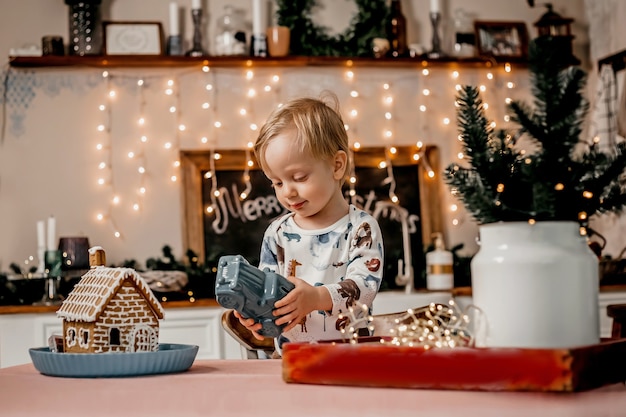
(50, 167)
(607, 32)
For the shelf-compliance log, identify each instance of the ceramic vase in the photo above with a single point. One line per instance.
(536, 285)
(278, 40)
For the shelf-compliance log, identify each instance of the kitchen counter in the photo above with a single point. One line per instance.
(388, 301)
(199, 323)
(31, 309)
(467, 291)
(210, 302)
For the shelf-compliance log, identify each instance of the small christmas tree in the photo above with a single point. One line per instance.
(555, 175)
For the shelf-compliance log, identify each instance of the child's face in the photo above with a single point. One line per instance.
(309, 187)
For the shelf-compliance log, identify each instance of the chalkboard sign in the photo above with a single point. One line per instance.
(236, 226)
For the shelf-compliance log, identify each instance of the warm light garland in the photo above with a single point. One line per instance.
(105, 144)
(246, 173)
(388, 137)
(253, 126)
(173, 90)
(356, 318)
(391, 179)
(431, 326)
(498, 82)
(140, 157)
(352, 129)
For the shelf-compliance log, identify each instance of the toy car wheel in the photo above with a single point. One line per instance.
(231, 301)
(269, 329)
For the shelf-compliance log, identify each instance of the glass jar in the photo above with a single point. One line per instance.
(464, 38)
(231, 36)
(85, 37)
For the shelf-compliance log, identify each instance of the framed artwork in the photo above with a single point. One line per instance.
(133, 38)
(501, 39)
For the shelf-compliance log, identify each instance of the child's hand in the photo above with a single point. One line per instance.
(250, 324)
(299, 302)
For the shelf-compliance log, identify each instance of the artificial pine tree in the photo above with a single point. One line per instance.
(543, 170)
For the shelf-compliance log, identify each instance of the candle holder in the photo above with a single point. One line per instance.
(52, 275)
(174, 45)
(258, 45)
(196, 49)
(41, 256)
(436, 51)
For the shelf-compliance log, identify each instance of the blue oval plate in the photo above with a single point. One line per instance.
(168, 359)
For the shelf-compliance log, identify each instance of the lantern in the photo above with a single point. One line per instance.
(559, 28)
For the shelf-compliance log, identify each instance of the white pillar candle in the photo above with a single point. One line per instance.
(51, 233)
(41, 245)
(196, 4)
(41, 234)
(258, 17)
(435, 6)
(174, 27)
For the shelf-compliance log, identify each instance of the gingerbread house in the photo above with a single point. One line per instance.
(110, 310)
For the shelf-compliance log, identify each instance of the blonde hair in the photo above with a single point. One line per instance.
(319, 128)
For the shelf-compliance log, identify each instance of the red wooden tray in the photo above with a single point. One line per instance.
(485, 369)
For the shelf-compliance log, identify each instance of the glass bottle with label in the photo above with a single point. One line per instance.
(439, 266)
(396, 31)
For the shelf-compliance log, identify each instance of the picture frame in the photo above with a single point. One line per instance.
(133, 38)
(507, 39)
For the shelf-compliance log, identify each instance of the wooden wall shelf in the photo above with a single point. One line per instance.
(112, 61)
(617, 61)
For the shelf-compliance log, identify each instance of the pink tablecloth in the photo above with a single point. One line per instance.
(255, 388)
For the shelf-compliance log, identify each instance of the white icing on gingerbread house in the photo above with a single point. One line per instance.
(110, 310)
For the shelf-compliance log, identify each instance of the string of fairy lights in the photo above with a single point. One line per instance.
(434, 326)
(352, 114)
(248, 113)
(262, 85)
(172, 91)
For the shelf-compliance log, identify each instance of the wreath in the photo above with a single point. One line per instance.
(308, 38)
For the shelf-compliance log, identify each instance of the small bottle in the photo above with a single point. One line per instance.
(439, 274)
(396, 31)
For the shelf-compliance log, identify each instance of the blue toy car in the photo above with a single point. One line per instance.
(250, 291)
